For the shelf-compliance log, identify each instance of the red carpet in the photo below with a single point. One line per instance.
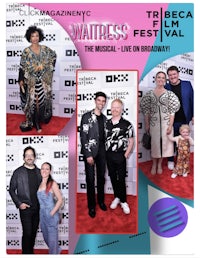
(180, 186)
(54, 127)
(106, 222)
(37, 251)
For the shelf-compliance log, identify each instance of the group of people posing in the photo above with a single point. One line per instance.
(38, 198)
(168, 111)
(106, 142)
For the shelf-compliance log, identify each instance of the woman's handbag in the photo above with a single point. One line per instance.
(146, 141)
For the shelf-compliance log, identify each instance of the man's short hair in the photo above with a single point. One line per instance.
(173, 68)
(100, 94)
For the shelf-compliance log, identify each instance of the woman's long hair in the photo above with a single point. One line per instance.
(49, 180)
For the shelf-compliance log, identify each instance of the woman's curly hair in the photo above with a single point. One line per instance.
(33, 29)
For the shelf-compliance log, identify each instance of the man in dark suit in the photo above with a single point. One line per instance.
(92, 136)
(185, 93)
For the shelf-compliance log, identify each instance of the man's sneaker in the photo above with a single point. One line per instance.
(114, 203)
(184, 174)
(170, 165)
(173, 175)
(125, 207)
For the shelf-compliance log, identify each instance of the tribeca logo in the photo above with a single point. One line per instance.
(117, 78)
(31, 140)
(15, 23)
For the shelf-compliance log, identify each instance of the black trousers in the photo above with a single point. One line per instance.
(116, 163)
(30, 222)
(100, 165)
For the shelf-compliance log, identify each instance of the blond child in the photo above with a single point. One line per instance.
(183, 143)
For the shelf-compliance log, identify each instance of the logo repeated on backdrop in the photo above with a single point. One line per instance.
(50, 37)
(53, 149)
(15, 23)
(117, 78)
(69, 83)
(60, 154)
(71, 52)
(33, 140)
(18, 18)
(9, 157)
(115, 84)
(12, 216)
(69, 111)
(13, 242)
(14, 53)
(85, 97)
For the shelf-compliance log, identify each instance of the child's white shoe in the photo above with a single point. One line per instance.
(173, 175)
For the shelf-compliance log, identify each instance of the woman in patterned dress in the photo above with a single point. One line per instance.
(159, 106)
(35, 80)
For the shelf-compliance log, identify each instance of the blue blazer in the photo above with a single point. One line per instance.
(187, 95)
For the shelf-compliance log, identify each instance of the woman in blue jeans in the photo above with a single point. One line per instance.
(50, 199)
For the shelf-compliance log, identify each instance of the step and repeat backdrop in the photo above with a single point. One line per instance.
(52, 149)
(115, 84)
(185, 64)
(18, 18)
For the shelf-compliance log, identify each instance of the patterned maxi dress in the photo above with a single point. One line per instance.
(159, 109)
(36, 70)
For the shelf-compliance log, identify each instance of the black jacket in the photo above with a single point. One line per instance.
(19, 186)
(89, 134)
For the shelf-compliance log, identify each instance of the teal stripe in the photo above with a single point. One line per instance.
(167, 215)
(173, 225)
(164, 210)
(169, 220)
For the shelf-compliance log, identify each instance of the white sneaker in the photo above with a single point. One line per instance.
(173, 175)
(114, 203)
(170, 165)
(125, 207)
(184, 174)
